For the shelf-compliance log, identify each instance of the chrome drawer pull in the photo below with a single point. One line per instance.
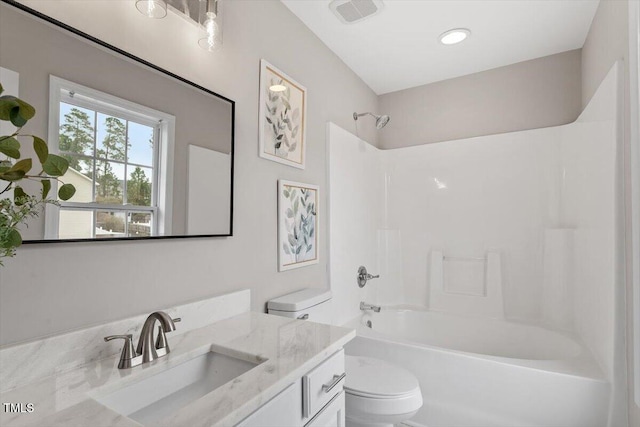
(303, 316)
(336, 379)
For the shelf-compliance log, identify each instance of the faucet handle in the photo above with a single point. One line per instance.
(128, 352)
(363, 276)
(161, 341)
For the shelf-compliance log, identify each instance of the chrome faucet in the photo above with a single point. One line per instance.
(364, 306)
(147, 351)
(146, 347)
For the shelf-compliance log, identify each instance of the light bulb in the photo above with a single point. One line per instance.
(209, 24)
(212, 40)
(152, 8)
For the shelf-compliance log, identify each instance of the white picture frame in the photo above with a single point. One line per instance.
(282, 118)
(298, 225)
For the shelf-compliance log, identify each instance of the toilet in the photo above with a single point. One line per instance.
(377, 393)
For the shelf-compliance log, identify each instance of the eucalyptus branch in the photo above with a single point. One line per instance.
(16, 133)
(7, 188)
(15, 211)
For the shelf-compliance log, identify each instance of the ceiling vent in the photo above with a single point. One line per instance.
(352, 11)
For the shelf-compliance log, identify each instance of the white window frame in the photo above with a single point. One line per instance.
(634, 83)
(163, 165)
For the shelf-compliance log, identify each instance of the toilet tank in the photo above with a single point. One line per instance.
(310, 304)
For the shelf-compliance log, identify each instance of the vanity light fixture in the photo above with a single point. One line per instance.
(152, 8)
(208, 14)
(454, 36)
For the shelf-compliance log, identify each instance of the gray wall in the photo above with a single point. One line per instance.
(533, 94)
(50, 288)
(607, 42)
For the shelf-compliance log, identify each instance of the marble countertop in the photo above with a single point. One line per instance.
(285, 348)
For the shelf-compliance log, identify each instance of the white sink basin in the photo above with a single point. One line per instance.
(159, 396)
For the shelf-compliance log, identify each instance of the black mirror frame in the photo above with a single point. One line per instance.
(141, 61)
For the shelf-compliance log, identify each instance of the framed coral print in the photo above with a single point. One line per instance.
(297, 225)
(283, 114)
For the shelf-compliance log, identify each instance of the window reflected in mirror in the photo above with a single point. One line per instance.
(113, 149)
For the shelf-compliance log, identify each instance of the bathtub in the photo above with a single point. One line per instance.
(481, 372)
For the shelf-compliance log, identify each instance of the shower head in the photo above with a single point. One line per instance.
(381, 121)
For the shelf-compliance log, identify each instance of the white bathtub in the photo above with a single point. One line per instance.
(478, 372)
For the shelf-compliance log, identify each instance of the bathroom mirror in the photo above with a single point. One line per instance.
(150, 153)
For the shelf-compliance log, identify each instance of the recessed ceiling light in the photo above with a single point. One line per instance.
(454, 36)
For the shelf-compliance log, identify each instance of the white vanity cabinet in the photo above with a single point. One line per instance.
(314, 400)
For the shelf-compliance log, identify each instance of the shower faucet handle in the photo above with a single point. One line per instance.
(364, 276)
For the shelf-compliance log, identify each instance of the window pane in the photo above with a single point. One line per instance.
(79, 174)
(140, 144)
(140, 224)
(75, 224)
(109, 224)
(76, 129)
(139, 186)
(112, 138)
(109, 182)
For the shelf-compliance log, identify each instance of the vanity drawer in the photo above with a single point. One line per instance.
(321, 384)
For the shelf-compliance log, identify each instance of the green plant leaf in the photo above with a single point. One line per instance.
(19, 196)
(23, 165)
(12, 175)
(41, 149)
(15, 110)
(9, 146)
(286, 249)
(66, 191)
(289, 213)
(46, 187)
(14, 239)
(16, 119)
(26, 110)
(55, 165)
(7, 104)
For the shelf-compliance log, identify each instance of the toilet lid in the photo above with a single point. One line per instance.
(370, 377)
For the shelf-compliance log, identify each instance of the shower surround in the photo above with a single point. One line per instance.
(540, 203)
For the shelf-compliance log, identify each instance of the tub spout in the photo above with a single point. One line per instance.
(364, 306)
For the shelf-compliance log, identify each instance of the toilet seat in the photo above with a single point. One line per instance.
(378, 393)
(377, 379)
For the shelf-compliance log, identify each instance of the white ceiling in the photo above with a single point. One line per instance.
(399, 48)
